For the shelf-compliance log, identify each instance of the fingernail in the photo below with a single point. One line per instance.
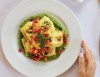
(81, 55)
(82, 51)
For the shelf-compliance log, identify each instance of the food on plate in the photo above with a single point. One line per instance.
(42, 38)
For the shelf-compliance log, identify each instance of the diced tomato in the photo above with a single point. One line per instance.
(44, 58)
(65, 41)
(35, 38)
(19, 50)
(39, 53)
(64, 35)
(47, 42)
(36, 58)
(41, 56)
(35, 51)
(32, 50)
(39, 30)
(34, 30)
(59, 52)
(39, 50)
(33, 57)
(45, 49)
(47, 28)
(35, 21)
(46, 35)
(30, 42)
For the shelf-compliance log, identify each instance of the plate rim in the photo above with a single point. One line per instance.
(20, 5)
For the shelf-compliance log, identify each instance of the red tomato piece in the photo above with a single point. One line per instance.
(45, 49)
(32, 50)
(47, 41)
(19, 50)
(34, 30)
(59, 52)
(44, 58)
(64, 35)
(65, 41)
(35, 21)
(47, 28)
(35, 51)
(39, 50)
(39, 30)
(46, 35)
(37, 58)
(30, 42)
(35, 38)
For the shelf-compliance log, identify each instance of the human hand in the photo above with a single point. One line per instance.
(86, 62)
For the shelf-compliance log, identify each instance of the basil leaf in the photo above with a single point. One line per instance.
(41, 40)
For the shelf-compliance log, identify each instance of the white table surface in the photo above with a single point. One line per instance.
(88, 14)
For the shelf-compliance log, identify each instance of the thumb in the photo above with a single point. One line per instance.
(81, 68)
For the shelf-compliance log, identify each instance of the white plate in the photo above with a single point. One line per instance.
(29, 67)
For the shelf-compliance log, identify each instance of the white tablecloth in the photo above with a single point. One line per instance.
(88, 14)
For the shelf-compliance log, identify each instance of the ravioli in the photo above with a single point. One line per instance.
(42, 39)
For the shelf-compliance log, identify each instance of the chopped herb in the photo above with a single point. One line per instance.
(41, 40)
(46, 23)
(31, 19)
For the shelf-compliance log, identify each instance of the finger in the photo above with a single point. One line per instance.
(81, 68)
(81, 63)
(87, 52)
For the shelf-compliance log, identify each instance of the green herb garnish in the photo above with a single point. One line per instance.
(41, 40)
(46, 23)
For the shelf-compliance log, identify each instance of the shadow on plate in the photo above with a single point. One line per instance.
(74, 5)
